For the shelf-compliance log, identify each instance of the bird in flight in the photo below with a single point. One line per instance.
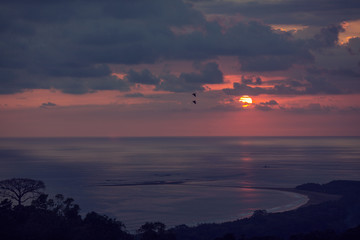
(194, 94)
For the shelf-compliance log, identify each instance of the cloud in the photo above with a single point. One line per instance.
(108, 83)
(227, 108)
(241, 89)
(209, 74)
(320, 85)
(271, 103)
(143, 77)
(313, 85)
(312, 108)
(189, 82)
(263, 107)
(71, 45)
(242, 39)
(48, 105)
(72, 41)
(7, 80)
(354, 46)
(305, 12)
(272, 63)
(134, 95)
(328, 37)
(74, 70)
(173, 12)
(251, 80)
(266, 106)
(88, 85)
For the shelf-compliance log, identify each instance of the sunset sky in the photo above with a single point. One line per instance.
(119, 68)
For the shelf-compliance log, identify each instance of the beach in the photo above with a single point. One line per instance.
(313, 197)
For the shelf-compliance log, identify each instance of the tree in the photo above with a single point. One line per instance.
(155, 231)
(21, 190)
(41, 202)
(102, 227)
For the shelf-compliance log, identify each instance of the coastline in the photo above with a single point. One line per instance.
(313, 197)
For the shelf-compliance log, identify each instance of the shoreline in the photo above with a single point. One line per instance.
(314, 198)
(308, 198)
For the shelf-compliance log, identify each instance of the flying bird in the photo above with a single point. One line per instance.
(194, 94)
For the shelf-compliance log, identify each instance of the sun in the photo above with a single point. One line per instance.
(245, 100)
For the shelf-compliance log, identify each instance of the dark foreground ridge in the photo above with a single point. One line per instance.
(59, 218)
(328, 220)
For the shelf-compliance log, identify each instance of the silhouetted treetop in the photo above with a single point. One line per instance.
(155, 231)
(21, 190)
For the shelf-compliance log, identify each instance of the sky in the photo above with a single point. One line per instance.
(118, 68)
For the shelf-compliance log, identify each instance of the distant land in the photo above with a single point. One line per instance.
(333, 208)
(332, 213)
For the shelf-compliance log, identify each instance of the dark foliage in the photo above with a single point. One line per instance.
(351, 234)
(20, 190)
(314, 187)
(313, 222)
(59, 219)
(228, 236)
(102, 227)
(56, 219)
(155, 231)
(341, 187)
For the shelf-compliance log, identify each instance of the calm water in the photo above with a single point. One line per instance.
(180, 180)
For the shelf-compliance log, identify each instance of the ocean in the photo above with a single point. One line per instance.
(180, 180)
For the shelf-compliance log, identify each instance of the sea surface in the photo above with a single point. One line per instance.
(180, 180)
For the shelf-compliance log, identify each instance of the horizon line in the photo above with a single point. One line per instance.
(187, 136)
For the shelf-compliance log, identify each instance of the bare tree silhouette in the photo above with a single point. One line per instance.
(21, 190)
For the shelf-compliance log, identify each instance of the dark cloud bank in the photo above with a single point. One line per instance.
(69, 45)
(304, 12)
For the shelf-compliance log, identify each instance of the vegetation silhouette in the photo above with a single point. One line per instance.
(59, 218)
(21, 189)
(336, 218)
(155, 231)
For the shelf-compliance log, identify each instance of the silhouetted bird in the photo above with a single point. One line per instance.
(194, 102)
(194, 94)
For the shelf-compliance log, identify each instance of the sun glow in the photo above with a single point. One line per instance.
(351, 30)
(245, 100)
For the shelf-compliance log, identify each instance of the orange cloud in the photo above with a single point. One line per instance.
(352, 30)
